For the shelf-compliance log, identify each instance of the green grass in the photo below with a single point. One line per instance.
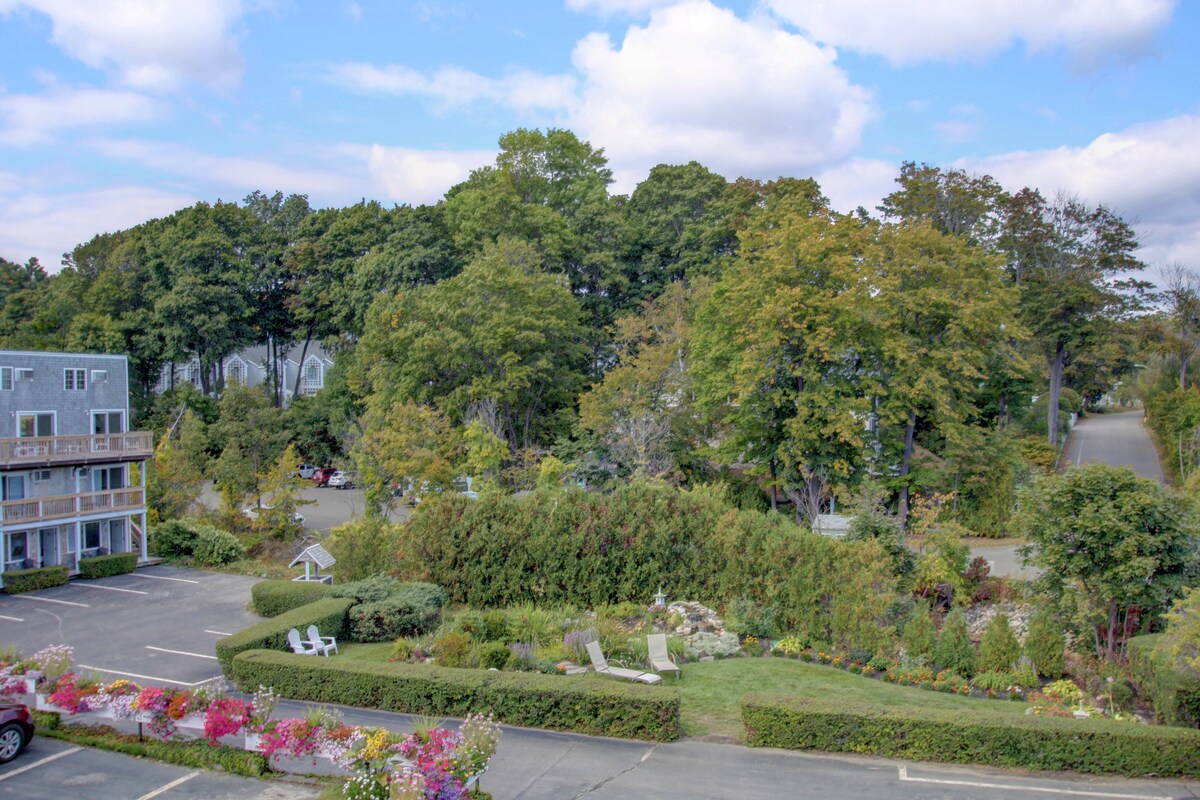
(377, 652)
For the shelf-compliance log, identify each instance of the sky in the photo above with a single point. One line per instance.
(113, 112)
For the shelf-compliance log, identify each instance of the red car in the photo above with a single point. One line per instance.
(321, 475)
(16, 729)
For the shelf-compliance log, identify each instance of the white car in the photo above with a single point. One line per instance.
(304, 471)
(252, 512)
(341, 480)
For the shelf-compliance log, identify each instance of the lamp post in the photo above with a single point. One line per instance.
(660, 599)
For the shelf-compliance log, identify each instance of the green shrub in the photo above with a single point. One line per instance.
(363, 547)
(106, 566)
(920, 635)
(492, 655)
(368, 590)
(985, 736)
(172, 538)
(272, 598)
(954, 650)
(998, 649)
(214, 547)
(748, 618)
(495, 627)
(402, 650)
(17, 581)
(993, 681)
(1045, 645)
(329, 615)
(585, 704)
(1174, 692)
(412, 608)
(453, 649)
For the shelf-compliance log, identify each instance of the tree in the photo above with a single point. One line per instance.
(176, 476)
(998, 648)
(1045, 645)
(406, 441)
(920, 635)
(234, 477)
(1180, 333)
(249, 421)
(279, 498)
(952, 201)
(954, 650)
(1180, 643)
(1115, 548)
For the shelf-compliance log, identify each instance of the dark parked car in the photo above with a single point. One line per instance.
(321, 475)
(16, 729)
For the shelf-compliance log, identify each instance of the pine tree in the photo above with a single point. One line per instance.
(1044, 644)
(954, 650)
(920, 636)
(998, 649)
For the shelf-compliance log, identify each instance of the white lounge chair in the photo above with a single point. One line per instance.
(601, 665)
(299, 647)
(325, 643)
(660, 659)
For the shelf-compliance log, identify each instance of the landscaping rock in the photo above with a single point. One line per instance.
(979, 616)
(700, 645)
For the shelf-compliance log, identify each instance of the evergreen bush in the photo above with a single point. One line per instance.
(920, 635)
(17, 581)
(107, 566)
(272, 598)
(998, 649)
(1045, 645)
(954, 650)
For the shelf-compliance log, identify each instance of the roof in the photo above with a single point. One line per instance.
(314, 554)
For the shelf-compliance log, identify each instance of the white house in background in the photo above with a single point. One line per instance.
(251, 367)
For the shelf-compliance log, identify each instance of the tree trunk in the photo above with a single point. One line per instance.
(300, 369)
(1056, 372)
(1000, 417)
(774, 485)
(906, 465)
(1183, 364)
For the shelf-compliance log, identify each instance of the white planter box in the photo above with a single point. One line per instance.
(30, 685)
(41, 704)
(191, 721)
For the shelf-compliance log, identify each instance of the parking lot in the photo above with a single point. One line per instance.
(53, 770)
(155, 626)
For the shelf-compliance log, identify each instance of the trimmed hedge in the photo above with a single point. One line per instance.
(17, 581)
(272, 598)
(983, 737)
(105, 566)
(329, 615)
(589, 705)
(1175, 695)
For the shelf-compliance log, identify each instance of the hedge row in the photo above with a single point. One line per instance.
(272, 598)
(589, 705)
(1175, 695)
(105, 566)
(329, 615)
(983, 737)
(17, 581)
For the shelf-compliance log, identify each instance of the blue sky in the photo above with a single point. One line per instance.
(116, 111)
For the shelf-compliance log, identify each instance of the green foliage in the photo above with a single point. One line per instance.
(17, 581)
(748, 618)
(272, 598)
(1108, 541)
(411, 608)
(329, 615)
(363, 547)
(368, 590)
(920, 634)
(588, 705)
(1045, 645)
(403, 649)
(453, 649)
(1181, 642)
(998, 648)
(1175, 692)
(205, 544)
(984, 736)
(104, 566)
(173, 538)
(995, 681)
(492, 655)
(943, 561)
(1174, 417)
(213, 547)
(954, 650)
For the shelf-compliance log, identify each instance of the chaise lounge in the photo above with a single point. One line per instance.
(660, 659)
(601, 666)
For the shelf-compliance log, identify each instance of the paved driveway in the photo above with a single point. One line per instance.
(157, 625)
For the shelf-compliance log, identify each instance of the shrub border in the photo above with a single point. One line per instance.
(19, 581)
(329, 615)
(584, 704)
(107, 566)
(1175, 695)
(274, 597)
(985, 737)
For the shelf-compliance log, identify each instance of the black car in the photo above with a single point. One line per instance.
(16, 729)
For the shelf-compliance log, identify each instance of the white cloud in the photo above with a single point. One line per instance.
(48, 225)
(696, 82)
(610, 7)
(858, 182)
(34, 119)
(1148, 174)
(962, 125)
(412, 176)
(149, 44)
(453, 86)
(934, 30)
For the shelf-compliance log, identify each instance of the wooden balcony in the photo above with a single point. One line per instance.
(51, 451)
(67, 506)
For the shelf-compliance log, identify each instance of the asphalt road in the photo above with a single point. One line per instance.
(324, 508)
(1119, 440)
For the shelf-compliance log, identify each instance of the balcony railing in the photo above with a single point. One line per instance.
(50, 450)
(66, 506)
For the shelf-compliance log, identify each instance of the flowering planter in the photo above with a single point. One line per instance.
(319, 763)
(191, 722)
(31, 684)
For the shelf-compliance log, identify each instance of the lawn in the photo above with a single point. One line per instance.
(711, 690)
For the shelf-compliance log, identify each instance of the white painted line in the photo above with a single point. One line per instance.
(38, 763)
(51, 600)
(161, 577)
(168, 786)
(217, 633)
(146, 677)
(11, 619)
(109, 588)
(180, 652)
(1031, 789)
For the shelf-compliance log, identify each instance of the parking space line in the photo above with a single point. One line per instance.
(147, 677)
(161, 578)
(109, 588)
(38, 763)
(217, 633)
(11, 619)
(168, 786)
(904, 776)
(52, 600)
(180, 652)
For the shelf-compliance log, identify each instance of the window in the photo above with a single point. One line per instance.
(6, 379)
(192, 373)
(107, 478)
(312, 381)
(35, 424)
(99, 376)
(40, 475)
(91, 536)
(23, 373)
(235, 371)
(13, 487)
(74, 380)
(18, 547)
(108, 422)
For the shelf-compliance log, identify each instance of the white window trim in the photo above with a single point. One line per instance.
(6, 373)
(53, 422)
(320, 380)
(76, 373)
(244, 378)
(106, 411)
